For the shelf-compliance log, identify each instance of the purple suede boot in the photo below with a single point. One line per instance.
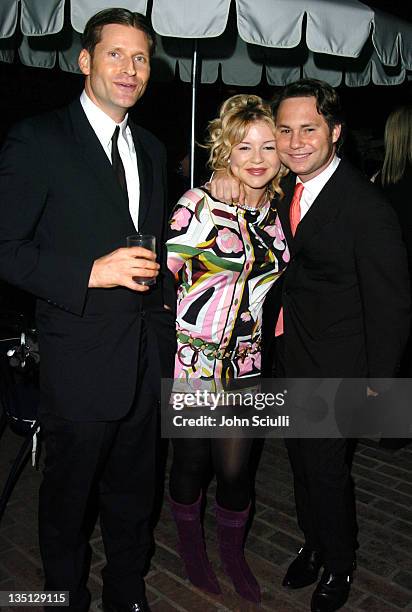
(192, 546)
(231, 532)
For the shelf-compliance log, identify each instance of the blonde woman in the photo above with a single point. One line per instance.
(226, 258)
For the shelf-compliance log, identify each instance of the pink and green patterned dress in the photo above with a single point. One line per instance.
(226, 259)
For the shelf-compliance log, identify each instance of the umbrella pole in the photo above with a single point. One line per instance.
(193, 123)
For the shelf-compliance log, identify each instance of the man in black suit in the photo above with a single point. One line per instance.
(73, 184)
(346, 314)
(345, 311)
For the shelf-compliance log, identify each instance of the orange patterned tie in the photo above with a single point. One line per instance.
(294, 217)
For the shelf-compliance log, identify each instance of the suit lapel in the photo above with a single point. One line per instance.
(283, 207)
(144, 164)
(323, 211)
(96, 160)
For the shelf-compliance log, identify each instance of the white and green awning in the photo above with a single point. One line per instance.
(340, 41)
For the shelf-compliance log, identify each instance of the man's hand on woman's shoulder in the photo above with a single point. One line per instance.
(226, 188)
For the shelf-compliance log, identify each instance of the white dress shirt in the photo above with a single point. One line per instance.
(314, 186)
(104, 127)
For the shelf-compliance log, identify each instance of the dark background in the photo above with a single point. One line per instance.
(400, 8)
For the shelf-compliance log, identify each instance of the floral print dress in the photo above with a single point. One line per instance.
(226, 259)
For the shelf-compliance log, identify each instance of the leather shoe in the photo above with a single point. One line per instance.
(139, 605)
(331, 593)
(304, 570)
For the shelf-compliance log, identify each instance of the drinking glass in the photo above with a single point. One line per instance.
(146, 241)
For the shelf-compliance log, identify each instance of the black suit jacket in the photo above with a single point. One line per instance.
(345, 292)
(61, 208)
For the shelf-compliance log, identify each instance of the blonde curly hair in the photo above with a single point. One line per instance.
(229, 129)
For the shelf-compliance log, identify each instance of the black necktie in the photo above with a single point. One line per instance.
(117, 161)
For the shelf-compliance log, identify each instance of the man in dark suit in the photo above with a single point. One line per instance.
(73, 184)
(345, 313)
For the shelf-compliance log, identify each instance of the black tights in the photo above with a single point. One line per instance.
(193, 459)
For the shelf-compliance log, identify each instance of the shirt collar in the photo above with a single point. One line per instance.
(101, 123)
(315, 185)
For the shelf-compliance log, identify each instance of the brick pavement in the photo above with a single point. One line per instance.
(383, 581)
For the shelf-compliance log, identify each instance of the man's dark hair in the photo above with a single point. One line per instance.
(327, 101)
(93, 30)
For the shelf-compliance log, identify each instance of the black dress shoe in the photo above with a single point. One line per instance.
(304, 570)
(331, 593)
(139, 605)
